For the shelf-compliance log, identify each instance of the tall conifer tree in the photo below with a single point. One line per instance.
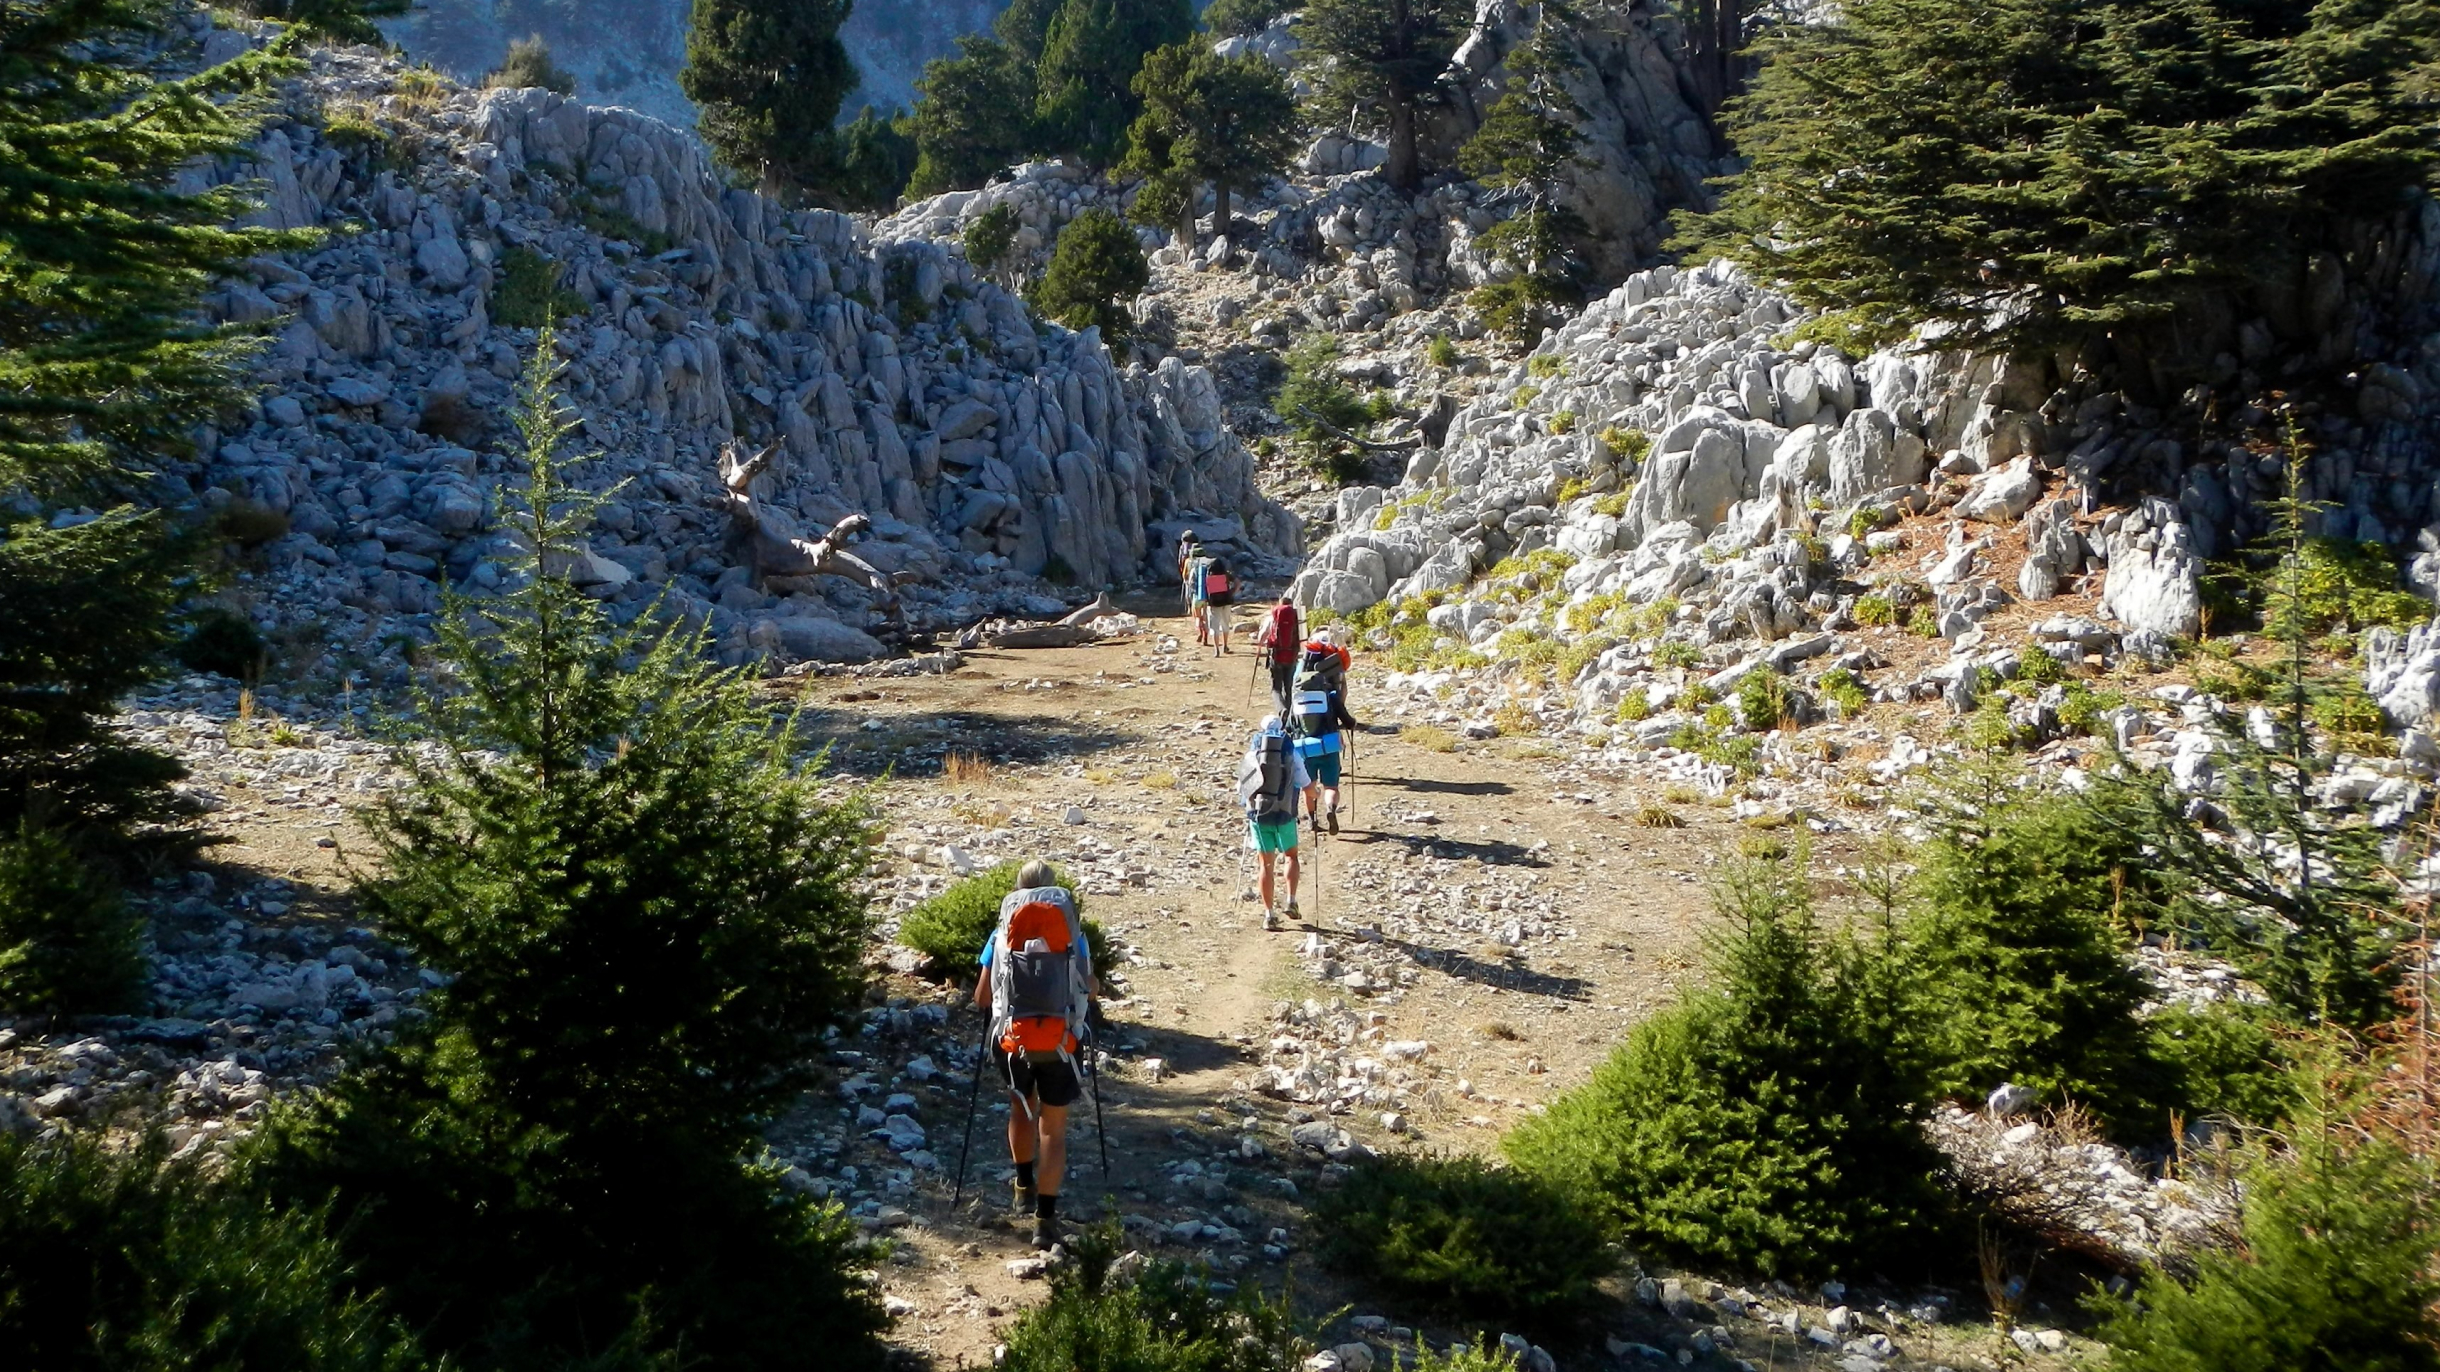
(1383, 59)
(768, 77)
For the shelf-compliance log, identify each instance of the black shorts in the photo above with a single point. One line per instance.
(1051, 1081)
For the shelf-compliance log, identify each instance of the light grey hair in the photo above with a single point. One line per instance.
(1034, 874)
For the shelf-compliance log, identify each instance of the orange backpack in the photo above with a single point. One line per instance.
(1037, 992)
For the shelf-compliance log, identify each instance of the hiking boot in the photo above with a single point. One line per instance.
(1046, 1232)
(1292, 909)
(1270, 922)
(1334, 819)
(1025, 1199)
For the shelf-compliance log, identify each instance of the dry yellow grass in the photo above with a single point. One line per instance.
(1429, 736)
(968, 769)
(1656, 816)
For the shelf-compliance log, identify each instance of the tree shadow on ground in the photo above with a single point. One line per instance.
(1507, 974)
(1431, 786)
(1490, 852)
(917, 745)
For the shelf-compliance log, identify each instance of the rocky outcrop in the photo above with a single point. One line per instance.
(989, 451)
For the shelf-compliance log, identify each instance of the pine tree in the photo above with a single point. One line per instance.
(648, 916)
(1228, 121)
(103, 263)
(2333, 1273)
(2298, 896)
(103, 258)
(1382, 59)
(2015, 941)
(1095, 264)
(68, 944)
(2039, 173)
(768, 77)
(876, 156)
(1090, 56)
(974, 115)
(1772, 1124)
(1526, 143)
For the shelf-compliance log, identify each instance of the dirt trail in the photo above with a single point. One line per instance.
(1585, 922)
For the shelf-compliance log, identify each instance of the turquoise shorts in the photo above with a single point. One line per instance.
(1325, 769)
(1275, 838)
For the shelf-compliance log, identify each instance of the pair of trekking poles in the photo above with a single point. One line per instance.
(974, 1100)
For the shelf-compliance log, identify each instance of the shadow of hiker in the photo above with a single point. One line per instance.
(1506, 975)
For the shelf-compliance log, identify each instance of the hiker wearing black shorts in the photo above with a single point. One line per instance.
(1042, 1079)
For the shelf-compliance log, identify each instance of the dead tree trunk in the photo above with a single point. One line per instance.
(774, 546)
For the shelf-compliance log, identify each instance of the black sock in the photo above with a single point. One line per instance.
(1025, 1175)
(1046, 1206)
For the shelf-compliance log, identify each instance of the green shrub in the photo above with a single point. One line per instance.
(951, 927)
(2224, 1061)
(1627, 445)
(1614, 504)
(2335, 1271)
(1635, 705)
(358, 137)
(2343, 585)
(1677, 652)
(1544, 366)
(1523, 396)
(1845, 688)
(222, 642)
(2038, 668)
(1313, 401)
(528, 294)
(2085, 706)
(1096, 265)
(1167, 1318)
(1464, 1237)
(1440, 352)
(1875, 611)
(2017, 936)
(1924, 622)
(68, 944)
(1476, 1355)
(1563, 422)
(990, 237)
(529, 64)
(119, 1259)
(1763, 700)
(1771, 1124)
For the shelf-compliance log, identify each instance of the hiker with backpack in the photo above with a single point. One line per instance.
(1280, 639)
(1320, 714)
(1269, 779)
(1037, 986)
(1190, 588)
(1217, 588)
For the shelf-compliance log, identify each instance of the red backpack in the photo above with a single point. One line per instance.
(1279, 633)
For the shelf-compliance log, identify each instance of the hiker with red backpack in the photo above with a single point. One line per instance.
(1269, 779)
(1037, 985)
(1281, 638)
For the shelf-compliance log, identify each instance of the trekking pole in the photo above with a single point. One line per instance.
(1100, 1133)
(974, 1098)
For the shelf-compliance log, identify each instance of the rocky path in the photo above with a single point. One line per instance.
(1488, 925)
(1492, 920)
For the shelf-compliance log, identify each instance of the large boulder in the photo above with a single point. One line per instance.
(2402, 672)
(2155, 577)
(1871, 453)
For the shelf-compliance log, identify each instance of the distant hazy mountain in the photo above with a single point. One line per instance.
(628, 52)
